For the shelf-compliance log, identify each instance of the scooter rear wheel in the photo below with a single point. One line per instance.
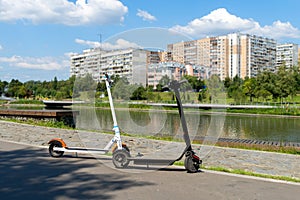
(190, 165)
(120, 158)
(53, 153)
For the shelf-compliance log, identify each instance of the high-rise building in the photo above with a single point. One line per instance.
(250, 54)
(86, 63)
(219, 56)
(229, 55)
(130, 63)
(203, 52)
(190, 52)
(177, 52)
(208, 52)
(287, 54)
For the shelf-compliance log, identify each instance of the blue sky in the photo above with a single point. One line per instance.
(38, 36)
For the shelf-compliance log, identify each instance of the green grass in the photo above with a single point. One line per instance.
(268, 111)
(243, 172)
(249, 173)
(257, 147)
(45, 123)
(27, 101)
(3, 101)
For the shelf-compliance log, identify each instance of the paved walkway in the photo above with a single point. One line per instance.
(254, 161)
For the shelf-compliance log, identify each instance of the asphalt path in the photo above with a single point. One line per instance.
(27, 172)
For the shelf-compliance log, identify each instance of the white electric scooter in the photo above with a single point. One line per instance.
(57, 147)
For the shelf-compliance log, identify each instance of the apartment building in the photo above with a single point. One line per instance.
(203, 52)
(190, 52)
(250, 54)
(219, 55)
(229, 55)
(177, 52)
(287, 54)
(174, 70)
(130, 63)
(86, 63)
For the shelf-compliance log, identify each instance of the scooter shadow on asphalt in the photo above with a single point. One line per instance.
(134, 167)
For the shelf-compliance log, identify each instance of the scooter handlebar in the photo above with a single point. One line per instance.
(175, 85)
(108, 79)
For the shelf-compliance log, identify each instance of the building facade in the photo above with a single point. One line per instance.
(287, 54)
(130, 63)
(173, 70)
(250, 54)
(229, 55)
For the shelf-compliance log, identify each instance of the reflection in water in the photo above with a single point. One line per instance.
(285, 129)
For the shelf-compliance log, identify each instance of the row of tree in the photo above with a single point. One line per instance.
(39, 90)
(267, 85)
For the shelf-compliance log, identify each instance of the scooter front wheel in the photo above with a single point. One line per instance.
(190, 165)
(120, 158)
(55, 153)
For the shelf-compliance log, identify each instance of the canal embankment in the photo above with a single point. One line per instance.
(269, 163)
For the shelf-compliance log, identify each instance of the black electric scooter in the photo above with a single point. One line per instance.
(121, 157)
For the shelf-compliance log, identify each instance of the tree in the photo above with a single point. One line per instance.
(159, 87)
(21, 92)
(216, 89)
(101, 86)
(227, 82)
(286, 82)
(122, 90)
(13, 88)
(202, 95)
(234, 86)
(55, 83)
(296, 75)
(3, 85)
(139, 94)
(85, 88)
(195, 83)
(266, 84)
(165, 80)
(249, 87)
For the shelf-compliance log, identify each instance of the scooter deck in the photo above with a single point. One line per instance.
(146, 161)
(80, 150)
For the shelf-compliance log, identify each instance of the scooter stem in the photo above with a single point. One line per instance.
(117, 137)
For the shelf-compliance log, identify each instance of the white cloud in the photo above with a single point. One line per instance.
(81, 12)
(278, 30)
(145, 15)
(119, 44)
(220, 22)
(43, 63)
(1, 48)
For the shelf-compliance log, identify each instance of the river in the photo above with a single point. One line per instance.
(167, 123)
